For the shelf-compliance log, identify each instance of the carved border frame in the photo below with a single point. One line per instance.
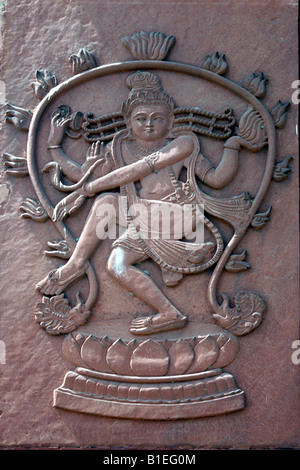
(168, 66)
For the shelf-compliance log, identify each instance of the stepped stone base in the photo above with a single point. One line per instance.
(153, 398)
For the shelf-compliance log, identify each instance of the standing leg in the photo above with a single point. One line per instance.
(120, 267)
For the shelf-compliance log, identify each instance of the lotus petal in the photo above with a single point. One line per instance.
(118, 357)
(229, 347)
(93, 354)
(206, 353)
(181, 357)
(71, 347)
(150, 359)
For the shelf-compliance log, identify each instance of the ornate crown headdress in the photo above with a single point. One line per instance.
(145, 87)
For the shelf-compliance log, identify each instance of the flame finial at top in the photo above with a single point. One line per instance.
(149, 46)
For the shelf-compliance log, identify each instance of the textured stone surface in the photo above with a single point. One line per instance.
(254, 37)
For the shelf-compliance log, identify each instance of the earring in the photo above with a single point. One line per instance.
(129, 134)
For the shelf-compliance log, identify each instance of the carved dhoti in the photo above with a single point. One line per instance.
(171, 234)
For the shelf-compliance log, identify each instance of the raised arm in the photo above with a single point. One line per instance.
(251, 135)
(73, 170)
(226, 170)
(56, 136)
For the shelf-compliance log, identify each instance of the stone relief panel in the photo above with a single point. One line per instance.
(164, 179)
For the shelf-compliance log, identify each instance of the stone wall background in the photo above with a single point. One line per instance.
(255, 36)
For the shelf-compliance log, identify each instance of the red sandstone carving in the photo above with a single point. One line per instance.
(160, 365)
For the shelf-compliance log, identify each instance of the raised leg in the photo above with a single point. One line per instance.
(102, 218)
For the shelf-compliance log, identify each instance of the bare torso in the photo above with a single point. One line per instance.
(155, 186)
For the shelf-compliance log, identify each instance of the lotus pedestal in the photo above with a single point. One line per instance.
(173, 375)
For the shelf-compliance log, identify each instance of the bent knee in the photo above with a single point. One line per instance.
(116, 266)
(106, 198)
(106, 204)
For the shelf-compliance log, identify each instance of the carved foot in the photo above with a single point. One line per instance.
(156, 323)
(56, 282)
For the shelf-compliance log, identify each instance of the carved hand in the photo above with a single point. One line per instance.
(69, 205)
(98, 152)
(58, 128)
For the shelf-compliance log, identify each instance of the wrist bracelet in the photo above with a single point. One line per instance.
(86, 191)
(232, 146)
(54, 146)
(151, 159)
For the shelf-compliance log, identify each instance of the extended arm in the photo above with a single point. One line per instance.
(172, 153)
(177, 150)
(70, 168)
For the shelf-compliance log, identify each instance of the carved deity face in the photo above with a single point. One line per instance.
(150, 123)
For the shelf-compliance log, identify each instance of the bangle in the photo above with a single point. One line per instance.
(202, 167)
(54, 146)
(86, 191)
(232, 146)
(151, 159)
